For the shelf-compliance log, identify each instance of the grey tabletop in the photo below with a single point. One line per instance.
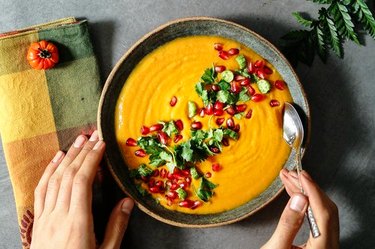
(341, 94)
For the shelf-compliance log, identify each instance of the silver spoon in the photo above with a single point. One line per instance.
(293, 135)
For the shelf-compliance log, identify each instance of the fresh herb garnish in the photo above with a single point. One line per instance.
(169, 128)
(144, 171)
(181, 193)
(204, 191)
(194, 173)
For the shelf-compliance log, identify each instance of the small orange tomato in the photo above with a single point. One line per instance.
(42, 55)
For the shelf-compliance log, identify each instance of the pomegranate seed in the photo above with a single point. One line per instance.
(216, 167)
(172, 195)
(140, 153)
(220, 69)
(215, 150)
(131, 142)
(163, 137)
(170, 176)
(259, 64)
(233, 51)
(218, 46)
(174, 186)
(156, 127)
(151, 183)
(249, 114)
(155, 173)
(177, 138)
(173, 101)
(186, 203)
(168, 183)
(239, 77)
(260, 74)
(163, 173)
(279, 84)
(230, 110)
(159, 184)
(179, 124)
(225, 141)
(257, 97)
(202, 112)
(145, 130)
(209, 110)
(220, 121)
(196, 204)
(235, 87)
(218, 112)
(154, 190)
(183, 185)
(245, 82)
(145, 178)
(274, 103)
(215, 87)
(224, 55)
(250, 90)
(230, 123)
(196, 125)
(188, 180)
(250, 67)
(218, 105)
(208, 175)
(237, 128)
(241, 108)
(267, 70)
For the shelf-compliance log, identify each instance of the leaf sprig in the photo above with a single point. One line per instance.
(337, 22)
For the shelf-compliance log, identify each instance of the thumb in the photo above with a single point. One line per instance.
(290, 222)
(117, 224)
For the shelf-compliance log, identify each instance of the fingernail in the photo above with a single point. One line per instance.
(284, 172)
(58, 156)
(79, 141)
(127, 206)
(298, 203)
(293, 174)
(98, 145)
(306, 175)
(94, 136)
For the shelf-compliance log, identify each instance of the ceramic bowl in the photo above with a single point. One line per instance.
(116, 81)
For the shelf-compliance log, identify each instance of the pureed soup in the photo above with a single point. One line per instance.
(199, 124)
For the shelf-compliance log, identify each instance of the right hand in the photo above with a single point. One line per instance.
(325, 212)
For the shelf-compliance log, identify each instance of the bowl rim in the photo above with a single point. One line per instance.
(109, 81)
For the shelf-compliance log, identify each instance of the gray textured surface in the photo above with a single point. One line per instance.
(341, 96)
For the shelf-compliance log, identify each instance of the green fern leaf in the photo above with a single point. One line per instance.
(343, 20)
(333, 38)
(305, 22)
(320, 42)
(365, 16)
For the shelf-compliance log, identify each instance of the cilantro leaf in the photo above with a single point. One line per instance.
(156, 161)
(141, 190)
(230, 133)
(199, 87)
(209, 75)
(226, 97)
(145, 171)
(204, 191)
(150, 144)
(224, 85)
(169, 128)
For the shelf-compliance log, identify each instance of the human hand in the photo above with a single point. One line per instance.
(63, 198)
(325, 212)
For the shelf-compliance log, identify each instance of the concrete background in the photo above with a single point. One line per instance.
(341, 95)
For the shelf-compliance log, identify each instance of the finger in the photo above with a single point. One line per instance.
(288, 182)
(65, 191)
(294, 178)
(55, 180)
(82, 183)
(290, 222)
(325, 212)
(41, 189)
(117, 224)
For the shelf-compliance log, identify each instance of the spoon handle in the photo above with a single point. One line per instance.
(309, 213)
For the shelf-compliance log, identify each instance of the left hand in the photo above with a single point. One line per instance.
(63, 198)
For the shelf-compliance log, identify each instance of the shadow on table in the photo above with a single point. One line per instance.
(336, 131)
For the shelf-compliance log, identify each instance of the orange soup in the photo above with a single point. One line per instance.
(199, 123)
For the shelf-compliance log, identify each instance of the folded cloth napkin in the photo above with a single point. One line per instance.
(42, 111)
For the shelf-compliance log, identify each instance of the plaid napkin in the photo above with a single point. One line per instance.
(42, 111)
